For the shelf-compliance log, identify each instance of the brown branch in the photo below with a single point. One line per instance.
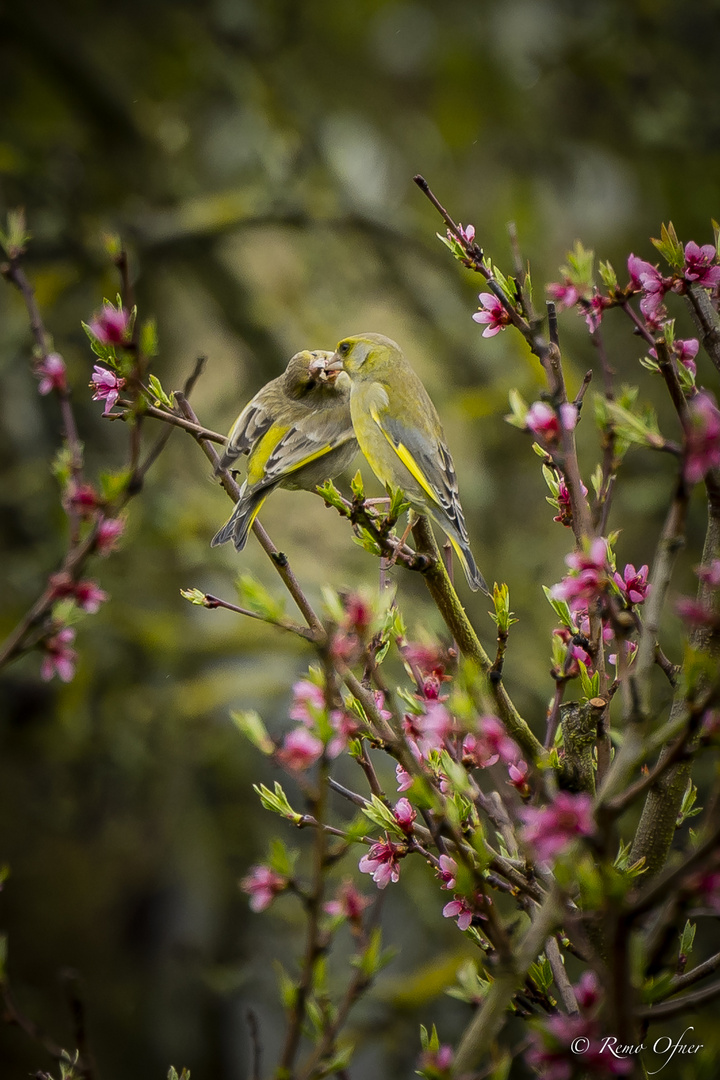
(679, 1005)
(278, 558)
(457, 622)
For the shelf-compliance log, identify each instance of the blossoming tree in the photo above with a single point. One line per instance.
(574, 924)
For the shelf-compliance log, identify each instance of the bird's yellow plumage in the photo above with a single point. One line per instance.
(400, 434)
(297, 432)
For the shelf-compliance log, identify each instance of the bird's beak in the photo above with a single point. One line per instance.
(334, 365)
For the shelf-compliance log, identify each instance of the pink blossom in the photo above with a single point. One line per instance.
(710, 575)
(648, 279)
(467, 232)
(550, 829)
(60, 658)
(263, 885)
(519, 776)
(633, 584)
(447, 872)
(707, 885)
(490, 744)
(349, 903)
(544, 422)
(308, 701)
(109, 530)
(89, 596)
(629, 648)
(436, 1063)
(86, 594)
(53, 374)
(589, 577)
(565, 294)
(593, 311)
(382, 861)
(686, 351)
(564, 515)
(107, 386)
(404, 779)
(300, 750)
(493, 313)
(346, 726)
(645, 276)
(83, 499)
(110, 326)
(460, 910)
(695, 613)
(699, 265)
(587, 990)
(553, 1057)
(430, 729)
(702, 437)
(405, 815)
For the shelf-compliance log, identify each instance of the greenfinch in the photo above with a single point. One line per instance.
(400, 434)
(297, 433)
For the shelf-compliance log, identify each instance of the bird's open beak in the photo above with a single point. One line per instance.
(334, 365)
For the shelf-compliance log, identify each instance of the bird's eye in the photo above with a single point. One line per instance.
(344, 348)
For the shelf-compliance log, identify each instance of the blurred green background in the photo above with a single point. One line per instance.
(257, 155)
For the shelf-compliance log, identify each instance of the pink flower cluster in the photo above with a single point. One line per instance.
(111, 325)
(702, 437)
(544, 421)
(549, 830)
(383, 862)
(60, 657)
(633, 584)
(348, 904)
(262, 885)
(52, 373)
(589, 577)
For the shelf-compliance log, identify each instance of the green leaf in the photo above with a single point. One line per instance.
(357, 487)
(255, 596)
(519, 409)
(579, 268)
(249, 723)
(159, 395)
(195, 596)
(638, 428)
(503, 616)
(608, 275)
(172, 1074)
(61, 466)
(105, 352)
(670, 247)
(687, 939)
(590, 686)
(112, 485)
(561, 609)
(277, 802)
(15, 237)
(381, 815)
(149, 345)
(332, 496)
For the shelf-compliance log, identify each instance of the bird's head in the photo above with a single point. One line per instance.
(365, 355)
(306, 371)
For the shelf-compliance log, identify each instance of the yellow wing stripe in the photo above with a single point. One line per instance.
(407, 459)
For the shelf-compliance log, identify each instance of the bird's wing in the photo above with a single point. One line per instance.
(307, 440)
(429, 462)
(252, 423)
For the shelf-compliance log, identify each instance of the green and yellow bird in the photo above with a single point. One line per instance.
(400, 434)
(297, 433)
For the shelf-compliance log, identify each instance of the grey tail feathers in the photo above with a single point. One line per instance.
(240, 521)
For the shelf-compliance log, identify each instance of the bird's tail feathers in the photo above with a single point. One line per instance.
(475, 579)
(238, 525)
(461, 547)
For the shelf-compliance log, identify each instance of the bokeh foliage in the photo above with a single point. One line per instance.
(258, 158)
